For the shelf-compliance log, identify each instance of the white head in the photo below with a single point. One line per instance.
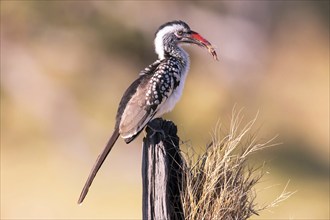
(171, 34)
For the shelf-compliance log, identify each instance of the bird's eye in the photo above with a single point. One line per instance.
(179, 33)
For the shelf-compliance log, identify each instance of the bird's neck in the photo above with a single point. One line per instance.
(173, 51)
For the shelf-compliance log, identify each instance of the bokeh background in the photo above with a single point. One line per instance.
(65, 65)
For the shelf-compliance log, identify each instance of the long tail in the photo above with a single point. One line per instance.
(98, 164)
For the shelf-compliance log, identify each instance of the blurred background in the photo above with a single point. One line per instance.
(66, 64)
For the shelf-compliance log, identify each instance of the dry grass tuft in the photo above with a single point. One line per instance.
(219, 184)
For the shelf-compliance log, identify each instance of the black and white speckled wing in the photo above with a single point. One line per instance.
(136, 114)
(145, 97)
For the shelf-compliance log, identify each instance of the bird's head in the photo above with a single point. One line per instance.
(175, 33)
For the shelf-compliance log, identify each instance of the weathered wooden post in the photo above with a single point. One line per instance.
(161, 172)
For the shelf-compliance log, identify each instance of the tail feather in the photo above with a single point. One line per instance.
(99, 161)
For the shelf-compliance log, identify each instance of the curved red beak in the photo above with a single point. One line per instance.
(196, 38)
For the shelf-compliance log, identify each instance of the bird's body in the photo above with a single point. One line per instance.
(157, 89)
(155, 92)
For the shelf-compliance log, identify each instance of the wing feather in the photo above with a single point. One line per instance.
(138, 105)
(136, 115)
(133, 113)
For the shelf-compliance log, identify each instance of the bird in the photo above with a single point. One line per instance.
(156, 90)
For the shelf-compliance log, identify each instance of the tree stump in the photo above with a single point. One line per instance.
(161, 172)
